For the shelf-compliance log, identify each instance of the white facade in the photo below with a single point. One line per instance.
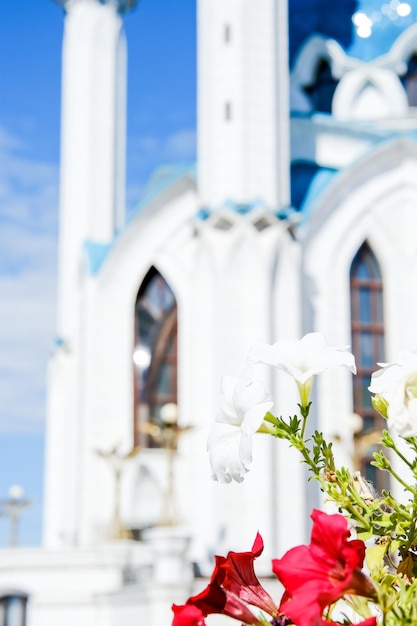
(243, 265)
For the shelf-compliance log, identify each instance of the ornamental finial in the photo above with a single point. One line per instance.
(122, 6)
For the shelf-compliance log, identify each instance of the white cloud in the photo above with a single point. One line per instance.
(181, 145)
(28, 225)
(148, 152)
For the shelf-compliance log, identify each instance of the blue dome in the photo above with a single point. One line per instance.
(324, 17)
(366, 29)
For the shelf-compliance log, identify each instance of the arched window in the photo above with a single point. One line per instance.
(154, 354)
(410, 81)
(321, 92)
(367, 319)
(13, 608)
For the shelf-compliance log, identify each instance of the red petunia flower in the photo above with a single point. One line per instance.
(317, 575)
(371, 621)
(214, 599)
(187, 615)
(240, 578)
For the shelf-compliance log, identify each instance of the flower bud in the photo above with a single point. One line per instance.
(380, 404)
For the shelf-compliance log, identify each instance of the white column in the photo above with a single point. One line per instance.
(243, 145)
(91, 208)
(92, 139)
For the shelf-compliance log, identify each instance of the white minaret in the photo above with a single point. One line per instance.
(243, 123)
(92, 180)
(92, 183)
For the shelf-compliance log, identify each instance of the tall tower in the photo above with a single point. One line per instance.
(92, 182)
(92, 178)
(243, 125)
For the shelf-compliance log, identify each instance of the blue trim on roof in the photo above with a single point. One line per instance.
(242, 207)
(96, 253)
(163, 178)
(285, 212)
(59, 342)
(203, 213)
(319, 183)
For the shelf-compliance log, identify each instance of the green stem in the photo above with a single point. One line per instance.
(305, 410)
(354, 513)
(402, 457)
(305, 452)
(401, 481)
(354, 494)
(349, 508)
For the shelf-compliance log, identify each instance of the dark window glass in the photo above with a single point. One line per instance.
(410, 81)
(227, 111)
(321, 92)
(154, 354)
(367, 322)
(227, 33)
(364, 304)
(13, 609)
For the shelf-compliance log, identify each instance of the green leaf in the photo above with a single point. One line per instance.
(375, 555)
(364, 534)
(394, 545)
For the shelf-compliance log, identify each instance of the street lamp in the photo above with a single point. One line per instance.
(13, 507)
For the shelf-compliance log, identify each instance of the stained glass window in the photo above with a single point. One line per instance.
(367, 319)
(154, 354)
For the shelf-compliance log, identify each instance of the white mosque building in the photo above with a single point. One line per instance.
(299, 216)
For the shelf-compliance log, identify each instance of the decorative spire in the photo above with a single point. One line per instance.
(121, 5)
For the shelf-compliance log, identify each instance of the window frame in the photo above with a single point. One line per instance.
(373, 326)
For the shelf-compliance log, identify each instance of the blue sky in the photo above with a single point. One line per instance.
(161, 129)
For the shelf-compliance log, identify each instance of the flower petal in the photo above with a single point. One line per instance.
(402, 408)
(317, 575)
(217, 599)
(187, 615)
(224, 453)
(241, 580)
(228, 413)
(244, 403)
(303, 358)
(385, 380)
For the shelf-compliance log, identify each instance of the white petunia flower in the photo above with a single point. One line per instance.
(303, 359)
(244, 404)
(396, 384)
(402, 409)
(385, 380)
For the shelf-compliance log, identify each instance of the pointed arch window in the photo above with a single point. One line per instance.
(13, 608)
(410, 81)
(154, 354)
(321, 92)
(367, 321)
